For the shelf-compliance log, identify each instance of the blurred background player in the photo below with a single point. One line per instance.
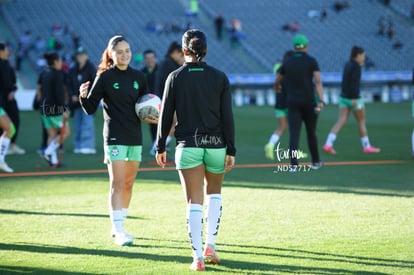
(350, 100)
(6, 125)
(118, 86)
(281, 113)
(173, 60)
(150, 71)
(200, 96)
(53, 108)
(84, 125)
(8, 88)
(301, 72)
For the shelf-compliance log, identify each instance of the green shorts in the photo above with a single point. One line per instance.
(347, 103)
(279, 113)
(122, 152)
(2, 112)
(52, 121)
(212, 158)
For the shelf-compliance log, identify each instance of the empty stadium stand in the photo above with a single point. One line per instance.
(330, 41)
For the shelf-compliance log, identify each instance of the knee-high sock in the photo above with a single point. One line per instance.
(52, 147)
(117, 220)
(213, 216)
(195, 228)
(4, 146)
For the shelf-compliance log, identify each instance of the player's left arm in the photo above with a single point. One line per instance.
(227, 119)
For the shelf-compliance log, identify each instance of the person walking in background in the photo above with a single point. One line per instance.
(84, 125)
(23, 48)
(8, 131)
(6, 125)
(218, 24)
(301, 72)
(200, 95)
(172, 61)
(53, 107)
(119, 86)
(150, 70)
(8, 88)
(281, 113)
(350, 100)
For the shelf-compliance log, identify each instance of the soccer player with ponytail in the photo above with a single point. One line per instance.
(200, 96)
(118, 86)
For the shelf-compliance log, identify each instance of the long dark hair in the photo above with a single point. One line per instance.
(195, 42)
(106, 60)
(355, 51)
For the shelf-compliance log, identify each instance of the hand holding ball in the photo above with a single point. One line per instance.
(148, 108)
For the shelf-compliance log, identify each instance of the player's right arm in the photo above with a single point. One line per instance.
(277, 86)
(90, 100)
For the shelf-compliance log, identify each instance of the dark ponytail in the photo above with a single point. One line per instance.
(195, 42)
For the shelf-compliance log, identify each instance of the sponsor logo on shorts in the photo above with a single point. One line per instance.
(114, 151)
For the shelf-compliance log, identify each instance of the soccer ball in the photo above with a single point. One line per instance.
(148, 108)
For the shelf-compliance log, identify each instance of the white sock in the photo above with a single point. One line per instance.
(412, 140)
(168, 140)
(54, 158)
(274, 139)
(52, 147)
(117, 220)
(195, 228)
(365, 142)
(213, 216)
(4, 146)
(124, 213)
(330, 139)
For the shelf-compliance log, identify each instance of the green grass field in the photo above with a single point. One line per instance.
(353, 216)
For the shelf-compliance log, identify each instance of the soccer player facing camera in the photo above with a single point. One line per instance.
(118, 86)
(200, 96)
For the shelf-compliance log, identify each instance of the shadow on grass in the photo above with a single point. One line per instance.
(315, 188)
(8, 269)
(235, 266)
(21, 212)
(320, 256)
(377, 180)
